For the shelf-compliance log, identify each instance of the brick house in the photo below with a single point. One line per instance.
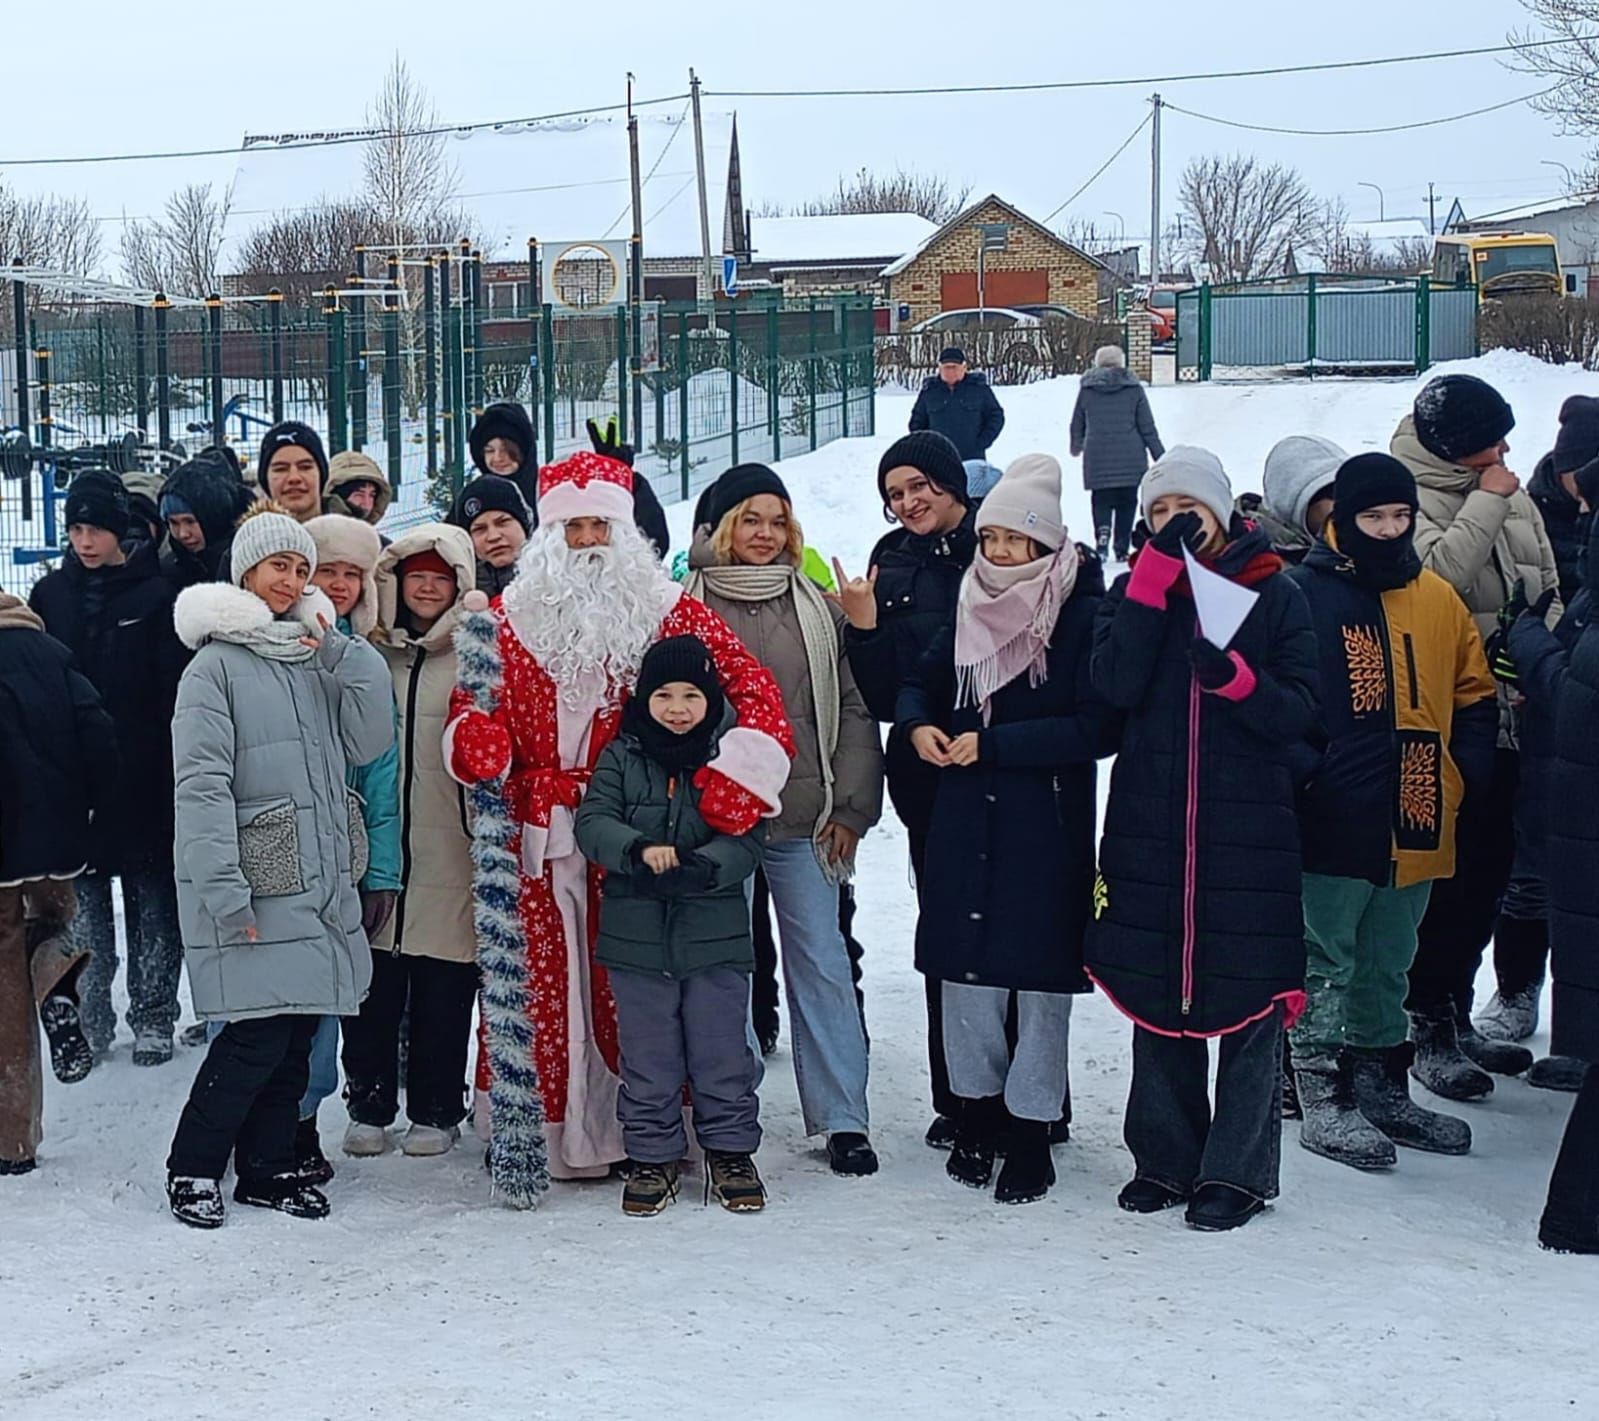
(1036, 267)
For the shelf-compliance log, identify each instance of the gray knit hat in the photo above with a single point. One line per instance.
(1027, 500)
(1297, 469)
(1187, 469)
(262, 534)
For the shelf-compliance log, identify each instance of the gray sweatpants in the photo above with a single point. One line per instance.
(693, 1030)
(1033, 1081)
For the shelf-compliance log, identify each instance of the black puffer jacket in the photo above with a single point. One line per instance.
(1559, 673)
(968, 413)
(117, 622)
(1010, 858)
(918, 580)
(58, 752)
(1198, 922)
(211, 488)
(1560, 514)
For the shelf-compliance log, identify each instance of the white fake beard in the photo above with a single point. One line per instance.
(587, 616)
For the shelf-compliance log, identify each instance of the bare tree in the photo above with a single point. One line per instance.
(1572, 67)
(178, 252)
(56, 232)
(903, 190)
(409, 178)
(1242, 217)
(302, 252)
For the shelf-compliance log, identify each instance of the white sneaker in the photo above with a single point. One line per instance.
(365, 1140)
(429, 1140)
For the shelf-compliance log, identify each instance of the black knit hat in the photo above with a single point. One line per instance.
(1369, 481)
(738, 483)
(1578, 441)
(933, 454)
(96, 497)
(1459, 415)
(505, 420)
(490, 494)
(680, 658)
(291, 434)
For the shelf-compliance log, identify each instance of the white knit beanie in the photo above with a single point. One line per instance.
(1187, 469)
(1297, 469)
(1027, 500)
(264, 534)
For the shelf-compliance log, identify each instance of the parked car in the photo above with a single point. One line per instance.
(1163, 314)
(1051, 312)
(973, 318)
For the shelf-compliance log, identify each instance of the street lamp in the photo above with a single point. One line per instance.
(1122, 221)
(1565, 171)
(1382, 202)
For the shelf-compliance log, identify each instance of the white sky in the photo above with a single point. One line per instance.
(134, 84)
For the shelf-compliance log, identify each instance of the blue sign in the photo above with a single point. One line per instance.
(730, 275)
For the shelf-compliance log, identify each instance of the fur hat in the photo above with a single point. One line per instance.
(1298, 469)
(263, 532)
(1187, 469)
(1027, 500)
(349, 468)
(339, 538)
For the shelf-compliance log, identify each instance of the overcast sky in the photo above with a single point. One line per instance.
(202, 76)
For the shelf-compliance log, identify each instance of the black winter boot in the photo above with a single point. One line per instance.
(1217, 1207)
(1440, 1064)
(1146, 1196)
(1503, 1058)
(1334, 1127)
(1382, 1091)
(1563, 1073)
(196, 1202)
(971, 1157)
(310, 1164)
(1292, 1110)
(850, 1153)
(285, 1193)
(1029, 1171)
(70, 1057)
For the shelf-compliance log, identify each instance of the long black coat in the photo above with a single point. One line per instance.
(1199, 927)
(1560, 514)
(1113, 429)
(117, 622)
(58, 752)
(1010, 858)
(967, 413)
(1559, 673)
(918, 581)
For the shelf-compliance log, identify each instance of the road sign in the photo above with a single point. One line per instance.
(730, 276)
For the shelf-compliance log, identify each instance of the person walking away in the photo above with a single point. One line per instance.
(494, 515)
(58, 756)
(357, 488)
(675, 935)
(425, 953)
(1408, 723)
(1004, 709)
(1198, 930)
(1559, 674)
(200, 503)
(292, 469)
(1476, 528)
(270, 857)
(959, 403)
(110, 606)
(748, 568)
(1113, 432)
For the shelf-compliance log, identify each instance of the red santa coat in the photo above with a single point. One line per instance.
(574, 1014)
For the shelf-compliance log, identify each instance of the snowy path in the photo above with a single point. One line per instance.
(1417, 1294)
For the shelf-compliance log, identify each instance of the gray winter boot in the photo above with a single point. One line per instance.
(1334, 1127)
(1440, 1065)
(1557, 1073)
(1510, 1016)
(1503, 1058)
(1382, 1092)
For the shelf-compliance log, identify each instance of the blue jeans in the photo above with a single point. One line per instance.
(324, 1063)
(829, 1041)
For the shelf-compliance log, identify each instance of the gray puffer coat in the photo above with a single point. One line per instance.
(1113, 429)
(264, 817)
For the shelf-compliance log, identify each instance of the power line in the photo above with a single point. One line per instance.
(1359, 132)
(1101, 168)
(1044, 87)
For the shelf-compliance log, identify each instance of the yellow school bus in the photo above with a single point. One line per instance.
(1499, 263)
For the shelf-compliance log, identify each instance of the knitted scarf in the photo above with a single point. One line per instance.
(519, 1161)
(766, 584)
(1004, 619)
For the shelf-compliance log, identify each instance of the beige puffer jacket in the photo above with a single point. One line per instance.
(1478, 542)
(434, 915)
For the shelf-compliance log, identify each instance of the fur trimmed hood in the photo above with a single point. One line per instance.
(450, 543)
(342, 538)
(201, 612)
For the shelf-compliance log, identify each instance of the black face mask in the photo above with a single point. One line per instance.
(672, 752)
(1381, 564)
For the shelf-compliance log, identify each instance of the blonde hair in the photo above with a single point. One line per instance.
(722, 535)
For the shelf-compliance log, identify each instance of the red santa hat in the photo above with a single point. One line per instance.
(587, 485)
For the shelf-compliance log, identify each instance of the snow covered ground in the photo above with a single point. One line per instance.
(1417, 1294)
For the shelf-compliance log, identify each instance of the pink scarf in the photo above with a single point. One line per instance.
(1004, 620)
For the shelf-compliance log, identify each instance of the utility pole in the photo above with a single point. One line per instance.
(699, 167)
(636, 273)
(1432, 212)
(1154, 193)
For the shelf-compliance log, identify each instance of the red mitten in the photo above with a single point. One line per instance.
(481, 749)
(727, 807)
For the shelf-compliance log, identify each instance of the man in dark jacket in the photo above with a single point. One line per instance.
(201, 503)
(57, 752)
(292, 468)
(958, 403)
(1553, 487)
(1114, 432)
(111, 607)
